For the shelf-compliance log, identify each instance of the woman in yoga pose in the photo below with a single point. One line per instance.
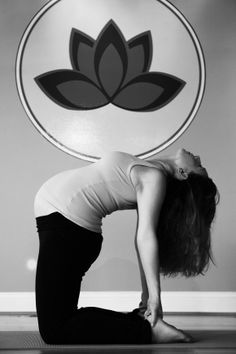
(175, 201)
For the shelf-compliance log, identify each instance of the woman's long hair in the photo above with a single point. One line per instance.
(184, 226)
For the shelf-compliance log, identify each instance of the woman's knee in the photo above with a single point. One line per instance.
(50, 337)
(50, 332)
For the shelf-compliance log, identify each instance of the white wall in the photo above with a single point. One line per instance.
(27, 160)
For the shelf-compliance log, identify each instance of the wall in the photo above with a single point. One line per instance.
(27, 160)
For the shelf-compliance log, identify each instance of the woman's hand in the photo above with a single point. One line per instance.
(142, 308)
(154, 311)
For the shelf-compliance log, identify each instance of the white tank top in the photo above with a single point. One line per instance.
(86, 195)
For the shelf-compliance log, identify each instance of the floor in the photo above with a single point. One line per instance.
(214, 333)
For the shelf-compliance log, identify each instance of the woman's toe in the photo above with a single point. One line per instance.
(188, 339)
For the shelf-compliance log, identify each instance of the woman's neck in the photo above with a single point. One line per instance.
(168, 163)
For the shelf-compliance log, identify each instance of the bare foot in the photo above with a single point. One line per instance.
(162, 332)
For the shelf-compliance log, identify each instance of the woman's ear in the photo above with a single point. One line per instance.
(182, 173)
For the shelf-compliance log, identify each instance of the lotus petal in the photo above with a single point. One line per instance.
(111, 58)
(140, 55)
(148, 92)
(71, 89)
(78, 38)
(82, 54)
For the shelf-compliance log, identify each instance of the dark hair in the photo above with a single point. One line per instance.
(184, 225)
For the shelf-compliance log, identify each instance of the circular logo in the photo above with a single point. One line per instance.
(102, 75)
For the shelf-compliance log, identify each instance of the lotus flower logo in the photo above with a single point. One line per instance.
(110, 70)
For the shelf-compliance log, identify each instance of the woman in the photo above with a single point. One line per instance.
(175, 202)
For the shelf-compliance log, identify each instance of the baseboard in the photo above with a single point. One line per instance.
(172, 301)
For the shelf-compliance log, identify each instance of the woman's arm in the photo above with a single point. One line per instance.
(150, 195)
(144, 296)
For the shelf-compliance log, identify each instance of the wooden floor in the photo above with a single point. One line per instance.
(214, 333)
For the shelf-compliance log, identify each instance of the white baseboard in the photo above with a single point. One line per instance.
(172, 301)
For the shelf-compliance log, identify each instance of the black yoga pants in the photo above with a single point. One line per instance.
(66, 251)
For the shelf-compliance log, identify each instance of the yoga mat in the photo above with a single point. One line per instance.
(32, 340)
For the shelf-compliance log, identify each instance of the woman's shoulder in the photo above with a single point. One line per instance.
(142, 175)
(135, 167)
